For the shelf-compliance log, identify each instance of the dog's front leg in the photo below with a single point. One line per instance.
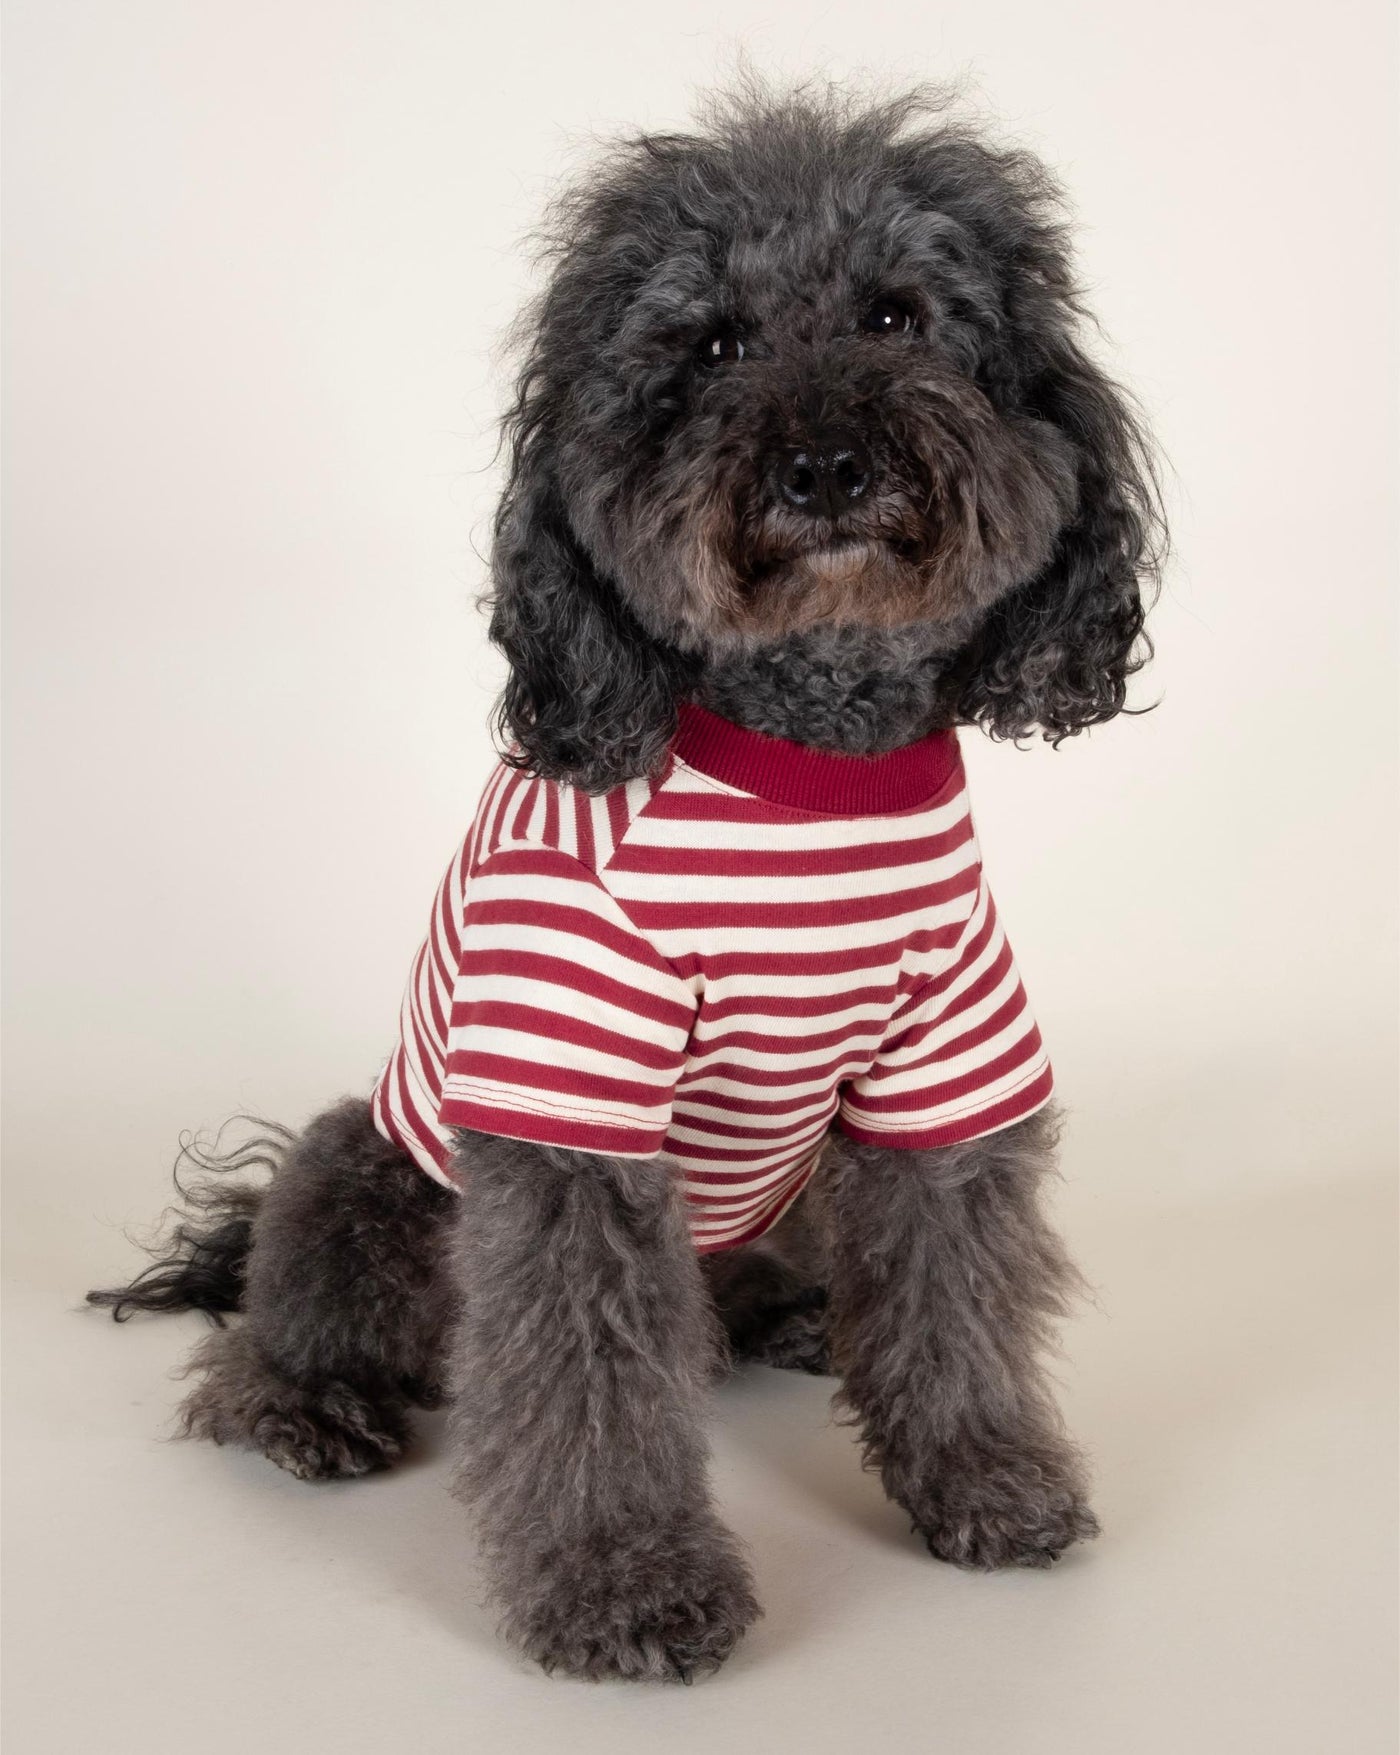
(946, 1278)
(582, 1362)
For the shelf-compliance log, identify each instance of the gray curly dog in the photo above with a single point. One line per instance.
(818, 324)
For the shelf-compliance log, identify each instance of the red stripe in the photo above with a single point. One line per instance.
(848, 1065)
(431, 1049)
(999, 1114)
(1005, 1015)
(967, 955)
(1001, 969)
(583, 1136)
(854, 1035)
(689, 1155)
(749, 1104)
(1023, 1053)
(783, 863)
(617, 814)
(520, 820)
(575, 978)
(975, 991)
(763, 1222)
(556, 1026)
(496, 812)
(583, 827)
(561, 917)
(696, 1123)
(420, 1129)
(782, 1005)
(883, 954)
(834, 911)
(421, 983)
(434, 970)
(505, 1069)
(448, 908)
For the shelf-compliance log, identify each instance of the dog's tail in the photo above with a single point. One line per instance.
(200, 1252)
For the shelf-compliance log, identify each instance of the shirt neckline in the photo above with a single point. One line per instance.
(791, 774)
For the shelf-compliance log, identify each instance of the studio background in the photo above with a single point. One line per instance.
(257, 261)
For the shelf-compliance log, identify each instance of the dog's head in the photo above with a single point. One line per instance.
(816, 364)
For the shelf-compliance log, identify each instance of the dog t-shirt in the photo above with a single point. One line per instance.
(713, 966)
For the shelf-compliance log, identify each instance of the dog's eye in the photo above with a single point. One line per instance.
(888, 317)
(720, 348)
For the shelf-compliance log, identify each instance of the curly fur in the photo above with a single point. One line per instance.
(772, 1297)
(849, 688)
(339, 1274)
(945, 1282)
(993, 571)
(200, 1257)
(640, 550)
(582, 1360)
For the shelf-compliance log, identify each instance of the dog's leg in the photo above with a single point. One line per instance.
(585, 1346)
(346, 1301)
(946, 1280)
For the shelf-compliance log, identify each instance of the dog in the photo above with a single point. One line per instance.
(715, 1048)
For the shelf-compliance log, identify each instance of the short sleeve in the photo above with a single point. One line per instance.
(962, 1056)
(566, 1026)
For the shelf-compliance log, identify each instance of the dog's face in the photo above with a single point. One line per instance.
(793, 413)
(811, 368)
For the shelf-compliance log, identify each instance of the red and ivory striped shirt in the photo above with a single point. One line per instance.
(713, 966)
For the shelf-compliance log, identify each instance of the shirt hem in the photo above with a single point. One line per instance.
(549, 1130)
(954, 1133)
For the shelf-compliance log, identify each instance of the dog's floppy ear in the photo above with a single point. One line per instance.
(1056, 653)
(591, 696)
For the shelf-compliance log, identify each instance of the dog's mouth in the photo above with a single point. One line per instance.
(846, 555)
(795, 579)
(831, 560)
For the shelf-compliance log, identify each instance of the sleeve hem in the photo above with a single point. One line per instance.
(550, 1130)
(952, 1133)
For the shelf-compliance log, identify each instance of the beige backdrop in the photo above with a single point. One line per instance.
(257, 257)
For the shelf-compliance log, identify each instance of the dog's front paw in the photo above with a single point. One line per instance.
(664, 1606)
(986, 1508)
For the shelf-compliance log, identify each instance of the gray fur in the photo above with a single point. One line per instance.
(945, 1282)
(582, 1364)
(771, 1295)
(994, 573)
(852, 689)
(346, 1301)
(640, 544)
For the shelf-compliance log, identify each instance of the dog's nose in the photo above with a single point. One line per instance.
(826, 476)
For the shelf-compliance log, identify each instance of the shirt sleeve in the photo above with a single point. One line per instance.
(566, 1026)
(962, 1056)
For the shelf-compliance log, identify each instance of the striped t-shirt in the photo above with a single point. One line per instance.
(713, 966)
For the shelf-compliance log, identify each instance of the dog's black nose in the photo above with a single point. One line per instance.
(824, 477)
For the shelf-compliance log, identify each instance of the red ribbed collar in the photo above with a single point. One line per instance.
(816, 780)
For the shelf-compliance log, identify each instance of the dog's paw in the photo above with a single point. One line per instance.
(667, 1608)
(794, 1339)
(423, 1392)
(987, 1509)
(324, 1432)
(332, 1438)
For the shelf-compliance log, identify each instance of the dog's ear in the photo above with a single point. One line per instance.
(1055, 654)
(591, 696)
